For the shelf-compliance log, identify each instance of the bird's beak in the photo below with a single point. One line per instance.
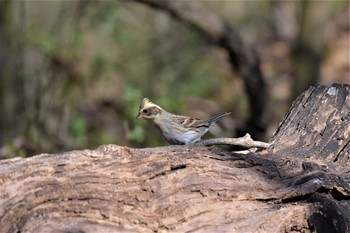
(138, 116)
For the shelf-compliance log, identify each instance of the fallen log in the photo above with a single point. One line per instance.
(299, 184)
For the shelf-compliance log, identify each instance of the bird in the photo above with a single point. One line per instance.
(176, 129)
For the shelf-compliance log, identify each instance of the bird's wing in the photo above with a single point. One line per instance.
(217, 117)
(189, 122)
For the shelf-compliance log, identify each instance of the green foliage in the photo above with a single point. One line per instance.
(79, 131)
(241, 106)
(44, 41)
(103, 137)
(338, 5)
(99, 63)
(132, 96)
(137, 134)
(14, 148)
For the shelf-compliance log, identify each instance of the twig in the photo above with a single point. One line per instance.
(245, 141)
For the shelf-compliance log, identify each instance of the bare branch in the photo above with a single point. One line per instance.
(245, 141)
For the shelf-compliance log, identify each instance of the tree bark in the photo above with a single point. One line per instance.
(299, 184)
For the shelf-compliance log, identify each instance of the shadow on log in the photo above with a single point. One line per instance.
(300, 184)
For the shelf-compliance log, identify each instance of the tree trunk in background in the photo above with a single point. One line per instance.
(7, 98)
(35, 89)
(300, 184)
(243, 58)
(307, 53)
(297, 23)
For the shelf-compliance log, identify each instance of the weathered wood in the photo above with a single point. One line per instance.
(121, 189)
(287, 188)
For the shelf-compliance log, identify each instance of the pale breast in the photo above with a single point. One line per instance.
(178, 135)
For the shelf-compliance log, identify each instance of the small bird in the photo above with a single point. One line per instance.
(176, 129)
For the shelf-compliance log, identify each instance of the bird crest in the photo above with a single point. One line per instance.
(146, 102)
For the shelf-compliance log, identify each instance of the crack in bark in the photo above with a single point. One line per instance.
(173, 168)
(341, 150)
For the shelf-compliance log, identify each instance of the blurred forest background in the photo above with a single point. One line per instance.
(73, 73)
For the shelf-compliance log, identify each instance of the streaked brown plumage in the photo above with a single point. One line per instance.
(176, 129)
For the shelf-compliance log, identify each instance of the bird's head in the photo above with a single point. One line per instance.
(148, 110)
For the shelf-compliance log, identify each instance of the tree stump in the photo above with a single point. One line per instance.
(299, 184)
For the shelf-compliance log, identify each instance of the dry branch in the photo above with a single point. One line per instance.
(245, 141)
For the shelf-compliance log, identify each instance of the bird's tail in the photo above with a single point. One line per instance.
(217, 117)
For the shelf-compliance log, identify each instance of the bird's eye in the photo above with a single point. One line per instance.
(145, 111)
